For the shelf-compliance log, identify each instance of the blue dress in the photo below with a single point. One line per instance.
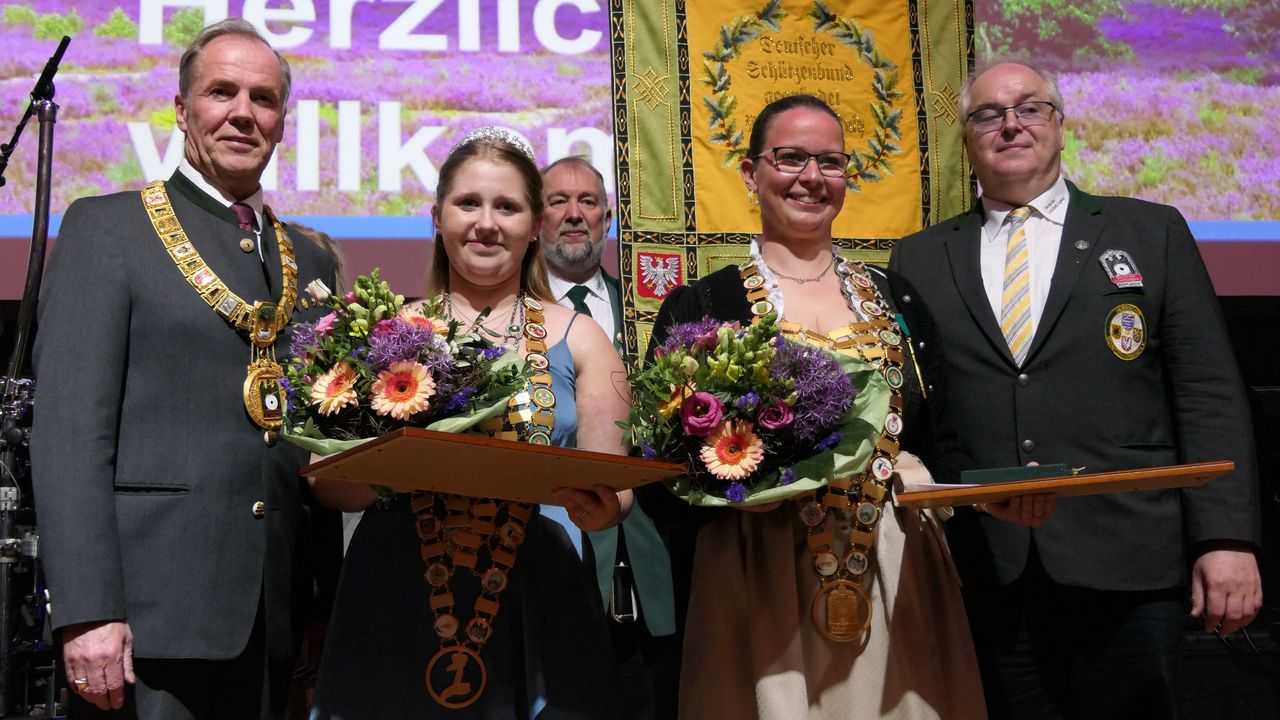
(549, 657)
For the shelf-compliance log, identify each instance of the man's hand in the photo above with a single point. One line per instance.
(99, 661)
(1226, 588)
(1024, 510)
(599, 508)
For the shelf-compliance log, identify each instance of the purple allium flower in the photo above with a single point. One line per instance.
(701, 413)
(830, 441)
(823, 392)
(786, 476)
(775, 416)
(747, 402)
(304, 338)
(691, 334)
(395, 340)
(736, 492)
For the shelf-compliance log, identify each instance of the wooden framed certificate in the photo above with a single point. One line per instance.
(479, 466)
(1070, 485)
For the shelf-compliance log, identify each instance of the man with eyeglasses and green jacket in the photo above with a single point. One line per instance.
(1082, 330)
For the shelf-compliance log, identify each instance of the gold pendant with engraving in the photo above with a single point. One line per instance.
(456, 676)
(841, 611)
(263, 396)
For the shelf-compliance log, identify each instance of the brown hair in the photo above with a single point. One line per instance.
(533, 270)
(761, 126)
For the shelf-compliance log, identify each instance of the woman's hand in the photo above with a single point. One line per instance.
(599, 508)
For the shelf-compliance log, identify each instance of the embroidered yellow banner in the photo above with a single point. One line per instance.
(689, 78)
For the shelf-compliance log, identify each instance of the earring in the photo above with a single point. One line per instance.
(752, 197)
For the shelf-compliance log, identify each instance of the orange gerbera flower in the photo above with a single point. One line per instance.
(733, 452)
(335, 389)
(414, 316)
(402, 389)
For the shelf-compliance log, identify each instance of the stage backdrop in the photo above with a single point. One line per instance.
(689, 79)
(1169, 100)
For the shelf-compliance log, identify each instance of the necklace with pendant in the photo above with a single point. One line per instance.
(261, 321)
(479, 323)
(480, 537)
(802, 281)
(841, 609)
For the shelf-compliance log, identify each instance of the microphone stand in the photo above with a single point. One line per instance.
(16, 513)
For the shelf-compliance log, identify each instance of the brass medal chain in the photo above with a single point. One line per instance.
(841, 609)
(457, 532)
(261, 322)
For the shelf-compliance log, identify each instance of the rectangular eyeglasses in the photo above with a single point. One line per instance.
(793, 160)
(1029, 114)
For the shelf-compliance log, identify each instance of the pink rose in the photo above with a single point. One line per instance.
(775, 416)
(701, 414)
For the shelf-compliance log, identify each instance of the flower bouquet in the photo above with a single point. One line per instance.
(755, 417)
(373, 365)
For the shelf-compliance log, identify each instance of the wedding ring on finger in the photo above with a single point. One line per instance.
(79, 684)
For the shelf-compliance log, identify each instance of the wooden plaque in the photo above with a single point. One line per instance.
(1157, 478)
(478, 466)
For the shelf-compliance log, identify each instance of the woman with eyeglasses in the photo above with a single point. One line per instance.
(807, 609)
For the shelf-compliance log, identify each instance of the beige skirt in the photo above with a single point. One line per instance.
(751, 649)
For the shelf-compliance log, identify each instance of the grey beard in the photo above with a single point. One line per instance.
(565, 261)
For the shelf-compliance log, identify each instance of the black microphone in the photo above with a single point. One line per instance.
(44, 86)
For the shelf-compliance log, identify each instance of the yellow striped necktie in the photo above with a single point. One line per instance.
(1015, 301)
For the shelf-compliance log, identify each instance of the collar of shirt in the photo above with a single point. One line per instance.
(254, 201)
(1050, 205)
(561, 287)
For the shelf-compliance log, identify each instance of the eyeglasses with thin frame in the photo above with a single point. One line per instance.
(1030, 113)
(793, 161)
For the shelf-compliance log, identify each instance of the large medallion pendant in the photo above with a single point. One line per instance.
(263, 396)
(456, 676)
(842, 611)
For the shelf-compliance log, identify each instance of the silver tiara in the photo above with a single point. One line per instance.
(493, 132)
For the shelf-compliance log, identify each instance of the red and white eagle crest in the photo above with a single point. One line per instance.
(659, 273)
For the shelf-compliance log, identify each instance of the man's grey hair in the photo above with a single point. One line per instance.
(1050, 80)
(581, 162)
(230, 26)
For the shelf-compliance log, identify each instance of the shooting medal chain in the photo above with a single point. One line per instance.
(458, 531)
(841, 609)
(262, 321)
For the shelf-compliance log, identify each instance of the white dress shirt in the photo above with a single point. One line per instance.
(1044, 235)
(597, 299)
(254, 201)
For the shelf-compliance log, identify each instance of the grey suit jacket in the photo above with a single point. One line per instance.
(146, 466)
(1074, 401)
